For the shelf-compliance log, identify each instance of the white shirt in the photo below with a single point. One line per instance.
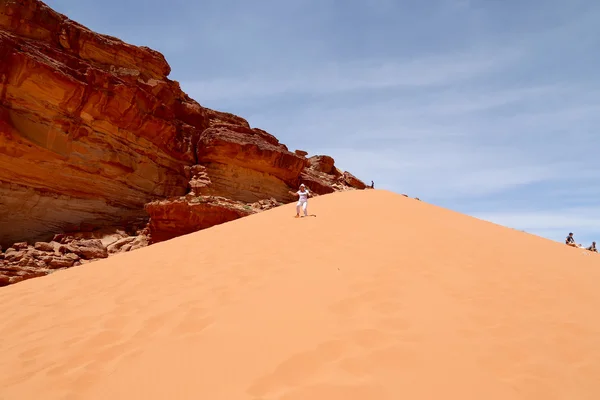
(302, 196)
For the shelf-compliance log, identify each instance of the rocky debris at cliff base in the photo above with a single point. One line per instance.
(87, 249)
(266, 204)
(23, 261)
(10, 274)
(128, 244)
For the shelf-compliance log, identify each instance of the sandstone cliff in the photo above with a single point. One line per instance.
(93, 134)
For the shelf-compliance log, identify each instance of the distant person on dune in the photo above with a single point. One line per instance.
(593, 247)
(303, 195)
(570, 241)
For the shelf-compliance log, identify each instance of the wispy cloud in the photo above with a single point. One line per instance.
(327, 77)
(449, 172)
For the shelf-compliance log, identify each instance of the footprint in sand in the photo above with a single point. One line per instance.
(387, 308)
(102, 338)
(116, 319)
(350, 305)
(371, 338)
(31, 353)
(386, 359)
(192, 323)
(83, 365)
(155, 326)
(74, 363)
(117, 351)
(299, 368)
(395, 325)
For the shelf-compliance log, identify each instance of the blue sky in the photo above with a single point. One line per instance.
(486, 107)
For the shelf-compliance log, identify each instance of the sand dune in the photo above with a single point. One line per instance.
(378, 297)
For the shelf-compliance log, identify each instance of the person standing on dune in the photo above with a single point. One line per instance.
(303, 195)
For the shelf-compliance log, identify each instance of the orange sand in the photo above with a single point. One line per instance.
(378, 297)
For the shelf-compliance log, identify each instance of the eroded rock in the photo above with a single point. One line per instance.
(352, 181)
(252, 149)
(43, 246)
(322, 163)
(172, 218)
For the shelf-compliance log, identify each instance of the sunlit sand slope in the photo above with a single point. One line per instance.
(377, 297)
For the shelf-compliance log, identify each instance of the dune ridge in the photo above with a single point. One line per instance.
(377, 297)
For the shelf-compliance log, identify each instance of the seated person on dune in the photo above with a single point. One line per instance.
(570, 241)
(592, 247)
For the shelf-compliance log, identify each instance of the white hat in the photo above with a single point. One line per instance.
(302, 184)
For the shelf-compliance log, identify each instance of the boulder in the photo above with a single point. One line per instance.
(172, 218)
(322, 163)
(87, 249)
(352, 181)
(43, 246)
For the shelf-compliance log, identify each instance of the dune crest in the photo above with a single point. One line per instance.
(377, 297)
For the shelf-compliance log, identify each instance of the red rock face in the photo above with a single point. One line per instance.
(32, 19)
(247, 164)
(88, 130)
(248, 148)
(186, 215)
(94, 135)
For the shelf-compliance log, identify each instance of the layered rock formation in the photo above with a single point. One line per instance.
(247, 164)
(94, 135)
